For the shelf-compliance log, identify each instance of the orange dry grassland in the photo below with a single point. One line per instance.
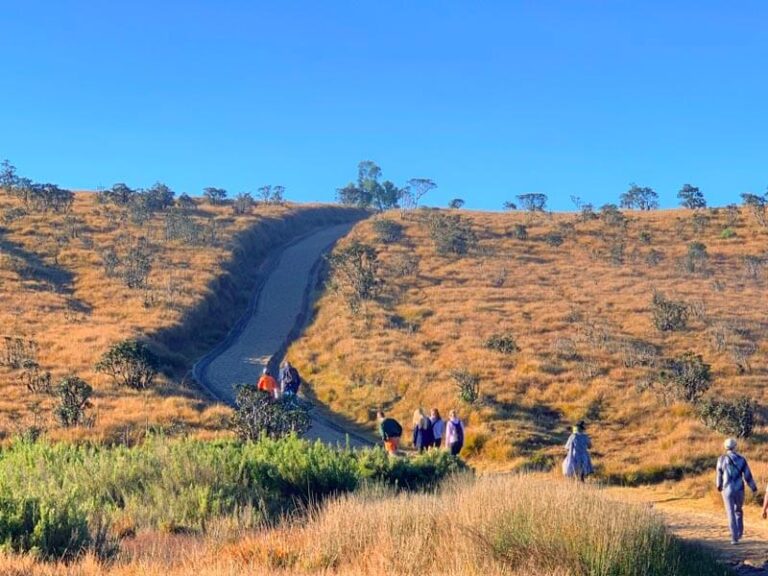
(580, 314)
(58, 297)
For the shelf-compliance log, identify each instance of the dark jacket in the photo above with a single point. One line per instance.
(390, 428)
(290, 379)
(422, 435)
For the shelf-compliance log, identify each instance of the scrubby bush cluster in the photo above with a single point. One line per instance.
(451, 234)
(130, 363)
(504, 343)
(467, 385)
(355, 273)
(669, 315)
(387, 231)
(260, 414)
(730, 417)
(55, 499)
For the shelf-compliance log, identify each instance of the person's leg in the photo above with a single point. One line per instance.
(738, 513)
(728, 501)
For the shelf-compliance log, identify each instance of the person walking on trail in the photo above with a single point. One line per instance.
(577, 463)
(267, 383)
(732, 472)
(454, 434)
(422, 431)
(438, 427)
(390, 431)
(289, 380)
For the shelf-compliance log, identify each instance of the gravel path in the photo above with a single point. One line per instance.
(279, 312)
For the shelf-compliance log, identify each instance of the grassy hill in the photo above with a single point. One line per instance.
(554, 316)
(75, 281)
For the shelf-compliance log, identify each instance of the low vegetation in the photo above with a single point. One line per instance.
(488, 527)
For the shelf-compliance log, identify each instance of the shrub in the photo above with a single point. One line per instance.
(685, 378)
(533, 202)
(74, 394)
(129, 363)
(730, 417)
(451, 234)
(215, 196)
(554, 239)
(387, 231)
(259, 414)
(668, 315)
(355, 273)
(520, 231)
(696, 258)
(456, 204)
(504, 343)
(467, 384)
(753, 266)
(243, 203)
(34, 379)
(49, 528)
(136, 266)
(727, 233)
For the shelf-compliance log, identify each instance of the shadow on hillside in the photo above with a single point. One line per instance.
(543, 425)
(32, 268)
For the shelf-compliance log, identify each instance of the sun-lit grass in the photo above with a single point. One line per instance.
(557, 302)
(492, 526)
(54, 289)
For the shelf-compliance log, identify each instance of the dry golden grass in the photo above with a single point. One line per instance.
(55, 291)
(493, 526)
(557, 302)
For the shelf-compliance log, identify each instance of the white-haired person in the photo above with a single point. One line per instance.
(732, 473)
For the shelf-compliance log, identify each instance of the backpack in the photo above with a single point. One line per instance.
(733, 471)
(292, 380)
(459, 430)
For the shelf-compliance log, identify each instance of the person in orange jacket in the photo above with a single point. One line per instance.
(267, 383)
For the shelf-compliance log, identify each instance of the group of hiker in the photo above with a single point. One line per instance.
(427, 431)
(286, 387)
(432, 432)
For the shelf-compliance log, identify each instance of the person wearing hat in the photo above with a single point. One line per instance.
(267, 383)
(577, 463)
(732, 472)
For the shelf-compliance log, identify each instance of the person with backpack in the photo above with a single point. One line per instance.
(422, 431)
(438, 427)
(732, 472)
(454, 434)
(577, 463)
(289, 380)
(267, 383)
(390, 432)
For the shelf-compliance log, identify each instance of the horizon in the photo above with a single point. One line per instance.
(489, 101)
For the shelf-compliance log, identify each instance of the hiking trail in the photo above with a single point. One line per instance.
(703, 521)
(281, 304)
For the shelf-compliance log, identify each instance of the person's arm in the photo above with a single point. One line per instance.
(748, 477)
(719, 475)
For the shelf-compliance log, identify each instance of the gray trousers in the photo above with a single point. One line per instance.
(734, 501)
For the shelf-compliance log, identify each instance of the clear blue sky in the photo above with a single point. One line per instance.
(490, 99)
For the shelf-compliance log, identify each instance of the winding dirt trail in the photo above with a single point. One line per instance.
(282, 301)
(702, 520)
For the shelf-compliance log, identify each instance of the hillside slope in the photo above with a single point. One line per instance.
(575, 294)
(65, 297)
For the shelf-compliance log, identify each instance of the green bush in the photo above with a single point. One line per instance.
(730, 417)
(727, 233)
(451, 234)
(467, 384)
(504, 343)
(74, 394)
(52, 529)
(685, 378)
(520, 232)
(259, 414)
(172, 484)
(387, 231)
(129, 363)
(668, 315)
